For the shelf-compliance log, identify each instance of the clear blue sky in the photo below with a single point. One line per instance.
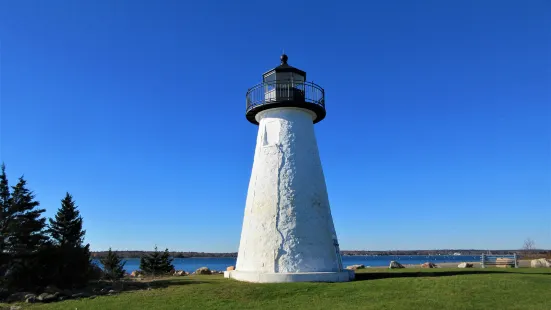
(438, 133)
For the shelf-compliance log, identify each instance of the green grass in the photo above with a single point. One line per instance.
(522, 288)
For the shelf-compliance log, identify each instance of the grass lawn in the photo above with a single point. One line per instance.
(492, 288)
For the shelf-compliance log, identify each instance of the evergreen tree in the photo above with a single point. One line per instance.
(166, 262)
(156, 263)
(25, 236)
(5, 201)
(113, 266)
(74, 261)
(26, 230)
(66, 228)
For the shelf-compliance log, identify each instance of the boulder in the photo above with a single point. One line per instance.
(30, 298)
(540, 263)
(80, 295)
(429, 265)
(230, 268)
(395, 264)
(203, 270)
(504, 262)
(355, 267)
(47, 297)
(105, 290)
(179, 273)
(19, 296)
(136, 273)
(465, 265)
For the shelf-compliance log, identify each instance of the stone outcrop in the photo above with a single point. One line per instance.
(20, 296)
(504, 262)
(203, 270)
(540, 263)
(47, 297)
(355, 267)
(136, 273)
(395, 265)
(465, 265)
(429, 265)
(179, 273)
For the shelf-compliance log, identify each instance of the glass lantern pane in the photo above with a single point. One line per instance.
(297, 78)
(284, 76)
(270, 77)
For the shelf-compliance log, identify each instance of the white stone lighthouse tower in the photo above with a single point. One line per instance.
(288, 233)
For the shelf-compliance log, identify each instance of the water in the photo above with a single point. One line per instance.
(220, 263)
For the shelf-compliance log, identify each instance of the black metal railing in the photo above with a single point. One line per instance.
(287, 91)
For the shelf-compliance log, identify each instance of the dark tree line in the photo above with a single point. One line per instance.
(174, 254)
(35, 253)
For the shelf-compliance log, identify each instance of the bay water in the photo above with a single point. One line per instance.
(220, 263)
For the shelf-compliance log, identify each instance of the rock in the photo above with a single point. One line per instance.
(355, 267)
(187, 273)
(15, 307)
(203, 270)
(104, 290)
(93, 296)
(30, 298)
(136, 273)
(112, 292)
(395, 264)
(80, 295)
(429, 265)
(46, 297)
(504, 262)
(19, 296)
(465, 265)
(230, 268)
(540, 263)
(179, 273)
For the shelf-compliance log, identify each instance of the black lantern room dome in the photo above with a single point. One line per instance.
(285, 86)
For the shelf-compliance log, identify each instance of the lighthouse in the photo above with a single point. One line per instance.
(288, 233)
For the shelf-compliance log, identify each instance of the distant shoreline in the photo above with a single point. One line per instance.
(446, 252)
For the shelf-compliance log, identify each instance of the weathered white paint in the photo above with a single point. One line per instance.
(287, 226)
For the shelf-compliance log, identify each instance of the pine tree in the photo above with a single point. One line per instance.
(66, 228)
(74, 258)
(156, 263)
(166, 262)
(5, 216)
(25, 237)
(26, 231)
(113, 266)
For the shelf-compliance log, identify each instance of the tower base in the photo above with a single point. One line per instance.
(258, 277)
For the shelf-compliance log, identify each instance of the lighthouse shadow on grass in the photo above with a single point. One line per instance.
(145, 284)
(366, 275)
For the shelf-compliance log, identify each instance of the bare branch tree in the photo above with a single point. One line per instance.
(529, 245)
